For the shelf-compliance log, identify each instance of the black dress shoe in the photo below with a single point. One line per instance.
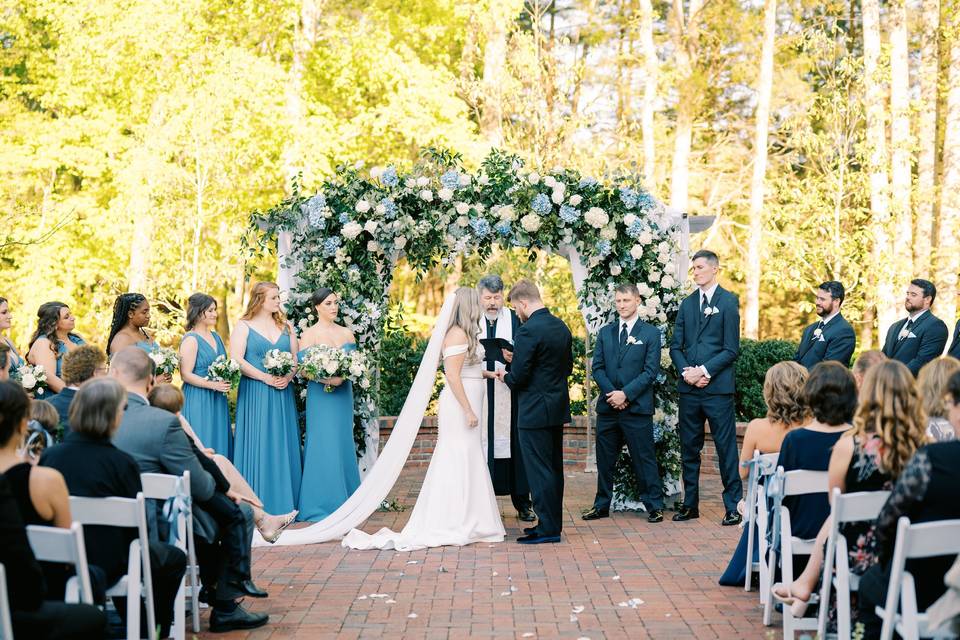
(686, 513)
(535, 538)
(239, 618)
(731, 518)
(527, 515)
(595, 514)
(655, 516)
(247, 588)
(530, 530)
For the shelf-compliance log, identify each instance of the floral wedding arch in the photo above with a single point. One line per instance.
(350, 234)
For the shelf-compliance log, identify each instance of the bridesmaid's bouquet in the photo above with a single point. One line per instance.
(165, 360)
(224, 369)
(359, 368)
(279, 363)
(324, 361)
(32, 377)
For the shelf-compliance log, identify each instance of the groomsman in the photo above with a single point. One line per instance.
(955, 345)
(626, 361)
(705, 345)
(921, 336)
(832, 338)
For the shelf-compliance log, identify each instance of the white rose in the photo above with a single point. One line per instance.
(667, 281)
(399, 242)
(426, 195)
(409, 183)
(484, 179)
(654, 275)
(654, 301)
(351, 230)
(615, 269)
(664, 247)
(462, 208)
(636, 251)
(596, 217)
(549, 181)
(670, 266)
(530, 222)
(533, 177)
(376, 172)
(423, 181)
(464, 179)
(463, 221)
(380, 209)
(645, 237)
(629, 219)
(28, 381)
(507, 213)
(445, 194)
(370, 227)
(645, 290)
(373, 246)
(575, 200)
(608, 233)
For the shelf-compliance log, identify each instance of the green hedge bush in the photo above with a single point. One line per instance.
(755, 358)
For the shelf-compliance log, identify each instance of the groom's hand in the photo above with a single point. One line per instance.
(507, 356)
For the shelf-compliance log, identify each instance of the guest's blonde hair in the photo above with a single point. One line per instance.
(466, 315)
(932, 384)
(783, 393)
(257, 297)
(890, 408)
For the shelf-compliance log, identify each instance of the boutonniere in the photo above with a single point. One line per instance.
(632, 340)
(709, 311)
(817, 333)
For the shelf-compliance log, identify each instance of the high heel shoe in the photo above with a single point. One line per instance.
(273, 535)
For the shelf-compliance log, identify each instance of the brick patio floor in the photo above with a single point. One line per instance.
(615, 578)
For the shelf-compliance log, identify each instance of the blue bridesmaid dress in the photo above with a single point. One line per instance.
(267, 447)
(15, 360)
(205, 409)
(330, 471)
(147, 345)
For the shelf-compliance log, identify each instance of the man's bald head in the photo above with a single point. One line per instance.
(132, 365)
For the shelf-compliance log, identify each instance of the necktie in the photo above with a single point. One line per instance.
(623, 334)
(704, 303)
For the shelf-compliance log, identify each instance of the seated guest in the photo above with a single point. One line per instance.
(79, 365)
(34, 616)
(830, 394)
(94, 468)
(170, 398)
(223, 532)
(43, 417)
(926, 491)
(932, 384)
(888, 428)
(864, 362)
(43, 413)
(53, 339)
(782, 387)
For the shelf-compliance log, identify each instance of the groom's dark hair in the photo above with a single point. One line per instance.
(524, 290)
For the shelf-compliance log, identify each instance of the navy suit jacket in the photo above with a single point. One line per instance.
(931, 337)
(632, 368)
(711, 341)
(542, 362)
(955, 345)
(837, 342)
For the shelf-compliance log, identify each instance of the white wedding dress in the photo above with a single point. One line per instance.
(457, 505)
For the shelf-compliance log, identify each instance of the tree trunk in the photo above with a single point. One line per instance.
(874, 97)
(140, 246)
(948, 248)
(684, 33)
(926, 195)
(649, 93)
(900, 145)
(304, 37)
(757, 183)
(494, 62)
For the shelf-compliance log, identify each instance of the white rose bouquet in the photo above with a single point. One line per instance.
(224, 369)
(165, 360)
(324, 361)
(32, 377)
(279, 363)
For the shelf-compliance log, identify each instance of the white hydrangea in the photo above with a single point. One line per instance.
(636, 251)
(629, 219)
(464, 179)
(380, 209)
(596, 217)
(533, 177)
(445, 194)
(463, 221)
(462, 208)
(506, 213)
(351, 230)
(575, 200)
(558, 196)
(530, 222)
(609, 232)
(373, 246)
(426, 195)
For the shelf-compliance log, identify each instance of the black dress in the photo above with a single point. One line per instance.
(810, 450)
(19, 478)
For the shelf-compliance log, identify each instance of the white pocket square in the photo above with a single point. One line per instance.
(821, 339)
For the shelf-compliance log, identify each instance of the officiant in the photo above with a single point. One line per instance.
(499, 420)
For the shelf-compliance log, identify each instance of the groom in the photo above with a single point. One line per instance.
(542, 362)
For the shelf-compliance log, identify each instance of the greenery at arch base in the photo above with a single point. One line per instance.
(349, 235)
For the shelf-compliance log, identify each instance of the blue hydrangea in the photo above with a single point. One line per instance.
(314, 208)
(661, 377)
(541, 204)
(503, 228)
(389, 208)
(628, 197)
(389, 177)
(587, 182)
(330, 245)
(480, 227)
(450, 179)
(604, 247)
(657, 433)
(635, 229)
(645, 201)
(569, 214)
(344, 218)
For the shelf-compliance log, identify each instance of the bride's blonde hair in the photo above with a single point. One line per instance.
(466, 315)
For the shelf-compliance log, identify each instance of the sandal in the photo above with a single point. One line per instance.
(274, 535)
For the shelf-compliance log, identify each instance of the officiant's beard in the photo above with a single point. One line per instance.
(492, 314)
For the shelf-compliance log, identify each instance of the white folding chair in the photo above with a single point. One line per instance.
(924, 540)
(53, 544)
(761, 465)
(126, 513)
(791, 483)
(862, 506)
(160, 486)
(6, 623)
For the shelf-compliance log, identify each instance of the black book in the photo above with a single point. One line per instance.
(495, 344)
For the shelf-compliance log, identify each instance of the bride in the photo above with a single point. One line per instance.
(456, 505)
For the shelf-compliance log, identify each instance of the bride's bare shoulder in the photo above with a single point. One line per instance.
(455, 335)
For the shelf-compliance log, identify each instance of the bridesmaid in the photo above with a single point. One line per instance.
(205, 401)
(131, 316)
(267, 448)
(330, 472)
(5, 320)
(52, 340)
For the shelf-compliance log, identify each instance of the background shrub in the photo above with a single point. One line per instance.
(755, 358)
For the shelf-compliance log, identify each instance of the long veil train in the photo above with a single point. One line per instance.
(383, 475)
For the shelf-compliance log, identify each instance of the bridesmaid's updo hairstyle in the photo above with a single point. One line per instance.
(257, 297)
(318, 296)
(122, 306)
(197, 305)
